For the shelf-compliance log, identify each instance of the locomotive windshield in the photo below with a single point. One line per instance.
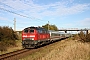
(28, 30)
(31, 31)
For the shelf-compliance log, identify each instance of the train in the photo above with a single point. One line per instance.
(33, 37)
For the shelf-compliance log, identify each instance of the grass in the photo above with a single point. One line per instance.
(77, 51)
(13, 48)
(63, 50)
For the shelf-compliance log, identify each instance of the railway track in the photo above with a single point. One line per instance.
(13, 55)
(16, 55)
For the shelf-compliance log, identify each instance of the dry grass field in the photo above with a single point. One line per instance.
(73, 51)
(13, 48)
(63, 50)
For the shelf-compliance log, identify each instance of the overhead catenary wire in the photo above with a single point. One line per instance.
(19, 14)
(9, 10)
(1, 3)
(6, 5)
(14, 12)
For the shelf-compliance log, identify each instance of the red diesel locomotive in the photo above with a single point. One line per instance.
(34, 36)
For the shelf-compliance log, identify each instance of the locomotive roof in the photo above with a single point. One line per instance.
(37, 28)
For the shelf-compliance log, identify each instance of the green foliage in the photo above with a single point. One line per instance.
(51, 27)
(84, 37)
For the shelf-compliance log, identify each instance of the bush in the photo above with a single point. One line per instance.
(6, 43)
(3, 46)
(88, 37)
(7, 37)
(84, 37)
(76, 37)
(7, 33)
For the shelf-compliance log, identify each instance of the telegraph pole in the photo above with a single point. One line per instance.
(48, 25)
(14, 24)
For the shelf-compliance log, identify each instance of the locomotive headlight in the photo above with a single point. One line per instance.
(32, 38)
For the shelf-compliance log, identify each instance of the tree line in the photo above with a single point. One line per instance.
(50, 27)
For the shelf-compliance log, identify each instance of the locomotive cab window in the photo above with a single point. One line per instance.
(26, 31)
(31, 31)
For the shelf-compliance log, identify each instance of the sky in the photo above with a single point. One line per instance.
(65, 14)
